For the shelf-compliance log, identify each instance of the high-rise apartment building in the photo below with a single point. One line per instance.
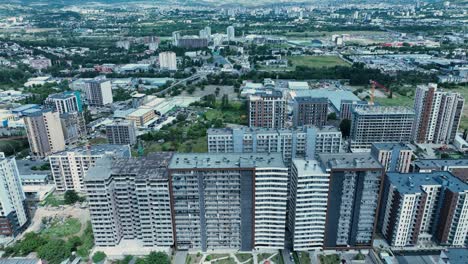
(44, 130)
(308, 204)
(346, 109)
(438, 114)
(229, 201)
(231, 33)
(310, 111)
(121, 133)
(13, 211)
(268, 109)
(301, 142)
(73, 126)
(168, 60)
(65, 102)
(374, 124)
(421, 208)
(130, 199)
(98, 92)
(69, 167)
(353, 198)
(395, 157)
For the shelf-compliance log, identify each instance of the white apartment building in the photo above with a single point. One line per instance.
(168, 60)
(70, 167)
(308, 204)
(13, 211)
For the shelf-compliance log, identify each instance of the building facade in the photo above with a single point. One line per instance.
(129, 199)
(291, 143)
(420, 208)
(98, 92)
(375, 124)
(70, 167)
(438, 115)
(168, 61)
(44, 130)
(268, 109)
(121, 133)
(308, 204)
(14, 216)
(395, 157)
(65, 102)
(354, 195)
(310, 111)
(229, 201)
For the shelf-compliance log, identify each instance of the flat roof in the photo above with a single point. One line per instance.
(153, 166)
(335, 96)
(63, 95)
(97, 150)
(226, 160)
(378, 109)
(19, 261)
(140, 112)
(391, 146)
(24, 107)
(308, 167)
(350, 161)
(457, 255)
(438, 163)
(262, 130)
(409, 183)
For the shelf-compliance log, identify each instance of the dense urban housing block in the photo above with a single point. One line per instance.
(268, 109)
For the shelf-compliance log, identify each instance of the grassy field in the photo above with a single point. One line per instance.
(330, 259)
(58, 229)
(397, 100)
(243, 257)
(200, 145)
(53, 200)
(317, 61)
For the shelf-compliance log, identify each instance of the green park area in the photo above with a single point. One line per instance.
(56, 241)
(317, 61)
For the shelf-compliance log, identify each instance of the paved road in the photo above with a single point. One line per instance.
(193, 77)
(180, 257)
(286, 257)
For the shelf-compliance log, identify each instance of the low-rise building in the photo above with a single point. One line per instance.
(141, 116)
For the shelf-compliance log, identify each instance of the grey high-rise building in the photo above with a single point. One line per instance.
(374, 124)
(310, 111)
(291, 143)
(121, 133)
(98, 92)
(129, 199)
(268, 109)
(353, 199)
(229, 201)
(395, 157)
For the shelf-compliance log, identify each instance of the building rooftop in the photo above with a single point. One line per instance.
(266, 93)
(311, 100)
(24, 107)
(456, 255)
(153, 166)
(408, 183)
(335, 96)
(387, 110)
(64, 95)
(140, 112)
(261, 130)
(350, 161)
(36, 112)
(122, 150)
(19, 261)
(391, 146)
(439, 163)
(226, 160)
(308, 167)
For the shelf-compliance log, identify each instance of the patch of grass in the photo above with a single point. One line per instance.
(397, 100)
(97, 141)
(193, 258)
(304, 258)
(243, 257)
(216, 256)
(228, 260)
(263, 256)
(53, 200)
(87, 240)
(70, 227)
(330, 259)
(317, 61)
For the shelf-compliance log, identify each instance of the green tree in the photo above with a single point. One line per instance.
(331, 116)
(345, 127)
(157, 258)
(71, 197)
(99, 256)
(54, 251)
